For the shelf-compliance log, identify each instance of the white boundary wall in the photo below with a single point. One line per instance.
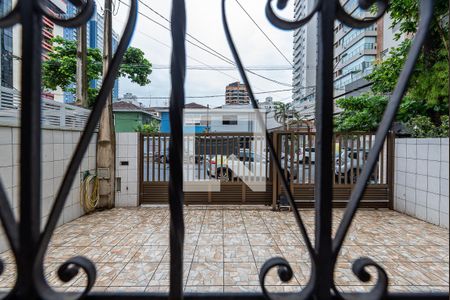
(422, 179)
(57, 148)
(127, 146)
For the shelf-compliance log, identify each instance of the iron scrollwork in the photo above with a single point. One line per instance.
(28, 243)
(322, 270)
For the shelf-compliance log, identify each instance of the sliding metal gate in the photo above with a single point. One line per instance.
(295, 150)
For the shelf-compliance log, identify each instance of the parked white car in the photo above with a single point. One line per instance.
(228, 168)
(309, 155)
(351, 163)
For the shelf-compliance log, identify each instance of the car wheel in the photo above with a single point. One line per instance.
(352, 176)
(224, 175)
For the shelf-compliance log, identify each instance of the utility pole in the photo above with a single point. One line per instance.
(82, 82)
(106, 142)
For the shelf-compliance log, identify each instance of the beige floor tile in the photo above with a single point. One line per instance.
(107, 272)
(212, 228)
(294, 253)
(62, 254)
(134, 239)
(131, 250)
(203, 289)
(263, 253)
(210, 239)
(161, 277)
(242, 289)
(150, 254)
(157, 289)
(234, 239)
(206, 274)
(208, 254)
(158, 239)
(95, 253)
(135, 274)
(120, 254)
(261, 239)
(126, 289)
(240, 274)
(238, 254)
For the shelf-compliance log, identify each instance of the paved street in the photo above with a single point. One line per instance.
(225, 248)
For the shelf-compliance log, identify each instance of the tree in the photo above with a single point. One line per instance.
(428, 92)
(283, 112)
(59, 70)
(152, 127)
(361, 113)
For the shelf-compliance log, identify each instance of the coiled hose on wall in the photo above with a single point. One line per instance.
(89, 192)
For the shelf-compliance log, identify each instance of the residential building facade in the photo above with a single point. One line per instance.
(355, 51)
(236, 93)
(6, 59)
(305, 53)
(128, 116)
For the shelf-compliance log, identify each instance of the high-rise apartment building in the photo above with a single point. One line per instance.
(305, 54)
(6, 49)
(355, 51)
(6, 59)
(236, 93)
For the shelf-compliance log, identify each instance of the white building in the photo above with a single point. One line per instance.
(234, 118)
(267, 104)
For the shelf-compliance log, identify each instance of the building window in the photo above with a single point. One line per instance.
(229, 120)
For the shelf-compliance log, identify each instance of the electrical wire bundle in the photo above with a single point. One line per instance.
(89, 192)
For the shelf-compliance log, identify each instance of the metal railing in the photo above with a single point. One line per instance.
(295, 150)
(54, 114)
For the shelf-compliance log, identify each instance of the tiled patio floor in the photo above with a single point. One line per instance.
(226, 246)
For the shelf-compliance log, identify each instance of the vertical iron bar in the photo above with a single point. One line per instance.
(176, 195)
(30, 151)
(309, 158)
(304, 158)
(147, 136)
(323, 192)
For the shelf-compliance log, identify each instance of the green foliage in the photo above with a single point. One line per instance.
(59, 70)
(428, 92)
(284, 112)
(361, 113)
(385, 74)
(136, 67)
(151, 127)
(422, 126)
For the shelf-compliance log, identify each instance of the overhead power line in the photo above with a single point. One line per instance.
(194, 59)
(226, 68)
(206, 48)
(262, 31)
(208, 96)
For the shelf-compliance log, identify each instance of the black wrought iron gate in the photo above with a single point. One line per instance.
(29, 243)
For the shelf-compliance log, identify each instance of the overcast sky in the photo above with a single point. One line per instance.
(204, 22)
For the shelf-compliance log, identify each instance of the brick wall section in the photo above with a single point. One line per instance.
(57, 148)
(422, 179)
(127, 169)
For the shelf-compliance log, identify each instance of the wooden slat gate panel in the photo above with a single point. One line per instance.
(296, 152)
